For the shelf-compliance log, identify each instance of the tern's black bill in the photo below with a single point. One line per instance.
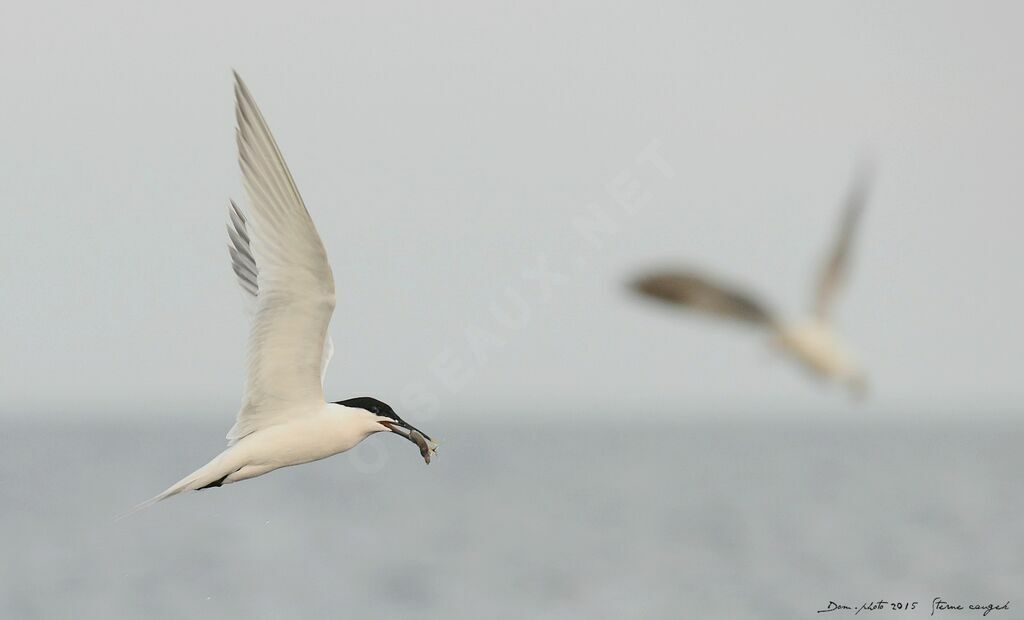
(403, 428)
(393, 423)
(413, 434)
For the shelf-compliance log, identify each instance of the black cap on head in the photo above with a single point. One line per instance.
(397, 425)
(380, 408)
(374, 406)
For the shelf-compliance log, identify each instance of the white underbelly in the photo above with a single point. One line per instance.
(307, 438)
(818, 349)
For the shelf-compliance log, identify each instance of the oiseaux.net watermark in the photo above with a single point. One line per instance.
(591, 230)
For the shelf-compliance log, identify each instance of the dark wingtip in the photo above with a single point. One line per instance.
(654, 286)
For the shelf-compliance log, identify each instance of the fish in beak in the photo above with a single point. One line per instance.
(427, 446)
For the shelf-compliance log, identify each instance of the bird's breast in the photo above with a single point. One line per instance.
(307, 438)
(817, 346)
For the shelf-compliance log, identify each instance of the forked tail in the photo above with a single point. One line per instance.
(210, 475)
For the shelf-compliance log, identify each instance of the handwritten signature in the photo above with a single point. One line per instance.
(939, 605)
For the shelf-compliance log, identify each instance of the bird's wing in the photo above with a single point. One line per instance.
(279, 258)
(833, 274)
(700, 293)
(243, 263)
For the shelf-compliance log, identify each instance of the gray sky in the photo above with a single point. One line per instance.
(445, 152)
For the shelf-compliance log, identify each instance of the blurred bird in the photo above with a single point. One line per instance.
(813, 342)
(282, 267)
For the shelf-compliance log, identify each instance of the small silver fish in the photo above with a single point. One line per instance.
(427, 446)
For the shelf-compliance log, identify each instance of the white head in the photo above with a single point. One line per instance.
(380, 417)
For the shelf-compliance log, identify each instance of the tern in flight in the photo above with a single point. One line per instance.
(813, 342)
(282, 267)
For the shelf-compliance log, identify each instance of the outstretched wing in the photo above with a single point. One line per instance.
(834, 272)
(278, 257)
(700, 293)
(243, 263)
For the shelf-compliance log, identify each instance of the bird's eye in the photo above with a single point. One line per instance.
(375, 410)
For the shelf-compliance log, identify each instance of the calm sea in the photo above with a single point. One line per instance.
(687, 521)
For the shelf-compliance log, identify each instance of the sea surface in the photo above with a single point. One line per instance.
(701, 520)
